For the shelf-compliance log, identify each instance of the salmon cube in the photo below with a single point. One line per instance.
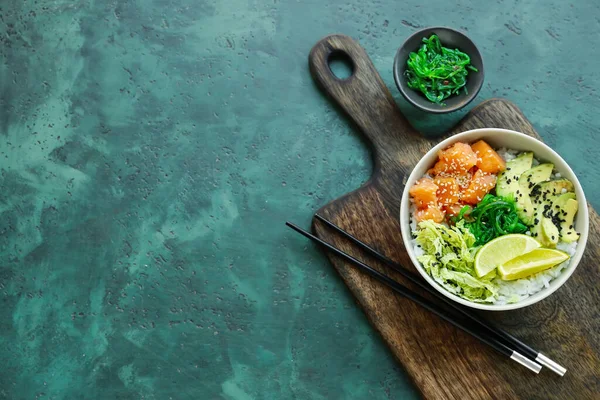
(448, 190)
(487, 159)
(424, 192)
(480, 185)
(464, 180)
(440, 168)
(453, 209)
(432, 212)
(458, 158)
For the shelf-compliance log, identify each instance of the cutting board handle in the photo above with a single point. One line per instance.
(363, 95)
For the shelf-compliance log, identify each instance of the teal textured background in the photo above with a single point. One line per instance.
(151, 151)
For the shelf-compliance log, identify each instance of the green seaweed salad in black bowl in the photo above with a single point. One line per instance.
(438, 70)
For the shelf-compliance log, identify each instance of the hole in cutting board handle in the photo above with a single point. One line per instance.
(340, 65)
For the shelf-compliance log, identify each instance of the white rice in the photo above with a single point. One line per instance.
(507, 154)
(520, 289)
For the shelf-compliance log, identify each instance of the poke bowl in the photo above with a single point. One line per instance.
(494, 219)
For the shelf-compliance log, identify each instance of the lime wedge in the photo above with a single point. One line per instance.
(531, 263)
(502, 249)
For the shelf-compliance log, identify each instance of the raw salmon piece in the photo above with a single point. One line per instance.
(424, 192)
(454, 209)
(448, 190)
(487, 159)
(440, 168)
(458, 158)
(431, 212)
(480, 185)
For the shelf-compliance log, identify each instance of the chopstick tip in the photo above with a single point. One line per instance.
(551, 365)
(526, 362)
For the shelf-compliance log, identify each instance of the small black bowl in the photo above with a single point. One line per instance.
(454, 40)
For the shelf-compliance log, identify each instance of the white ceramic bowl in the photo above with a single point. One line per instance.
(498, 138)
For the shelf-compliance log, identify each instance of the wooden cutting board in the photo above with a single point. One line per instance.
(444, 362)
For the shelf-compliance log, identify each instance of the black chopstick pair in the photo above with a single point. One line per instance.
(493, 336)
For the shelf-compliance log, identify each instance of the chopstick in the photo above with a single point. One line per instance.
(428, 304)
(414, 278)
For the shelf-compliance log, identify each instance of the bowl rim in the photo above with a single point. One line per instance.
(398, 75)
(481, 134)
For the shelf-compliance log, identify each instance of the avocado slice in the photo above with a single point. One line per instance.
(554, 214)
(508, 180)
(546, 192)
(561, 200)
(543, 230)
(564, 216)
(527, 181)
(550, 233)
(536, 227)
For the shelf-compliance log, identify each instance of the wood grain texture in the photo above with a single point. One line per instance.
(446, 363)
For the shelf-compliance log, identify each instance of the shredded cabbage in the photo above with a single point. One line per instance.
(449, 257)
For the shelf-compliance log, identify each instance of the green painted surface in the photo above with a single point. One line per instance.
(150, 152)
